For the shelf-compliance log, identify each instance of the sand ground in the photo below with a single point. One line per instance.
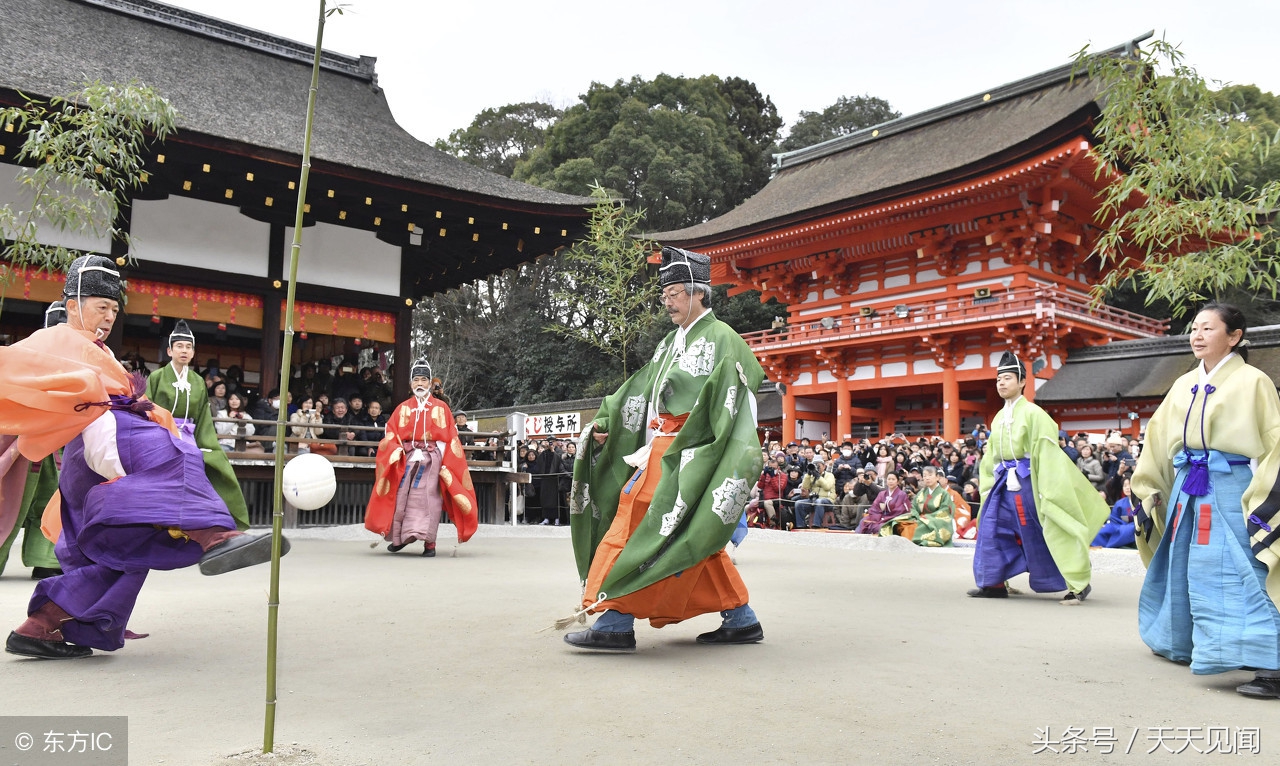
(872, 654)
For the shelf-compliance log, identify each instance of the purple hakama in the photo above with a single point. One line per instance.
(114, 533)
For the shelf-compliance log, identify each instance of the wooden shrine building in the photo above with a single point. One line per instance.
(389, 218)
(912, 254)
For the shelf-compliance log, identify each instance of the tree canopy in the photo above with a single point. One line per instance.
(1187, 215)
(683, 149)
(845, 116)
(610, 288)
(85, 152)
(499, 138)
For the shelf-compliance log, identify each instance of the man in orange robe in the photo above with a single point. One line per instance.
(422, 473)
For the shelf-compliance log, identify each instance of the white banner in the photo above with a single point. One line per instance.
(555, 424)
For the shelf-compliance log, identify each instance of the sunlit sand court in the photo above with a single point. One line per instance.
(872, 654)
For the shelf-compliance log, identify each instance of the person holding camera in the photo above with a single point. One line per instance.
(305, 423)
(819, 488)
(859, 494)
(772, 483)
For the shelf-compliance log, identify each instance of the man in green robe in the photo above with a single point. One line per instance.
(663, 475)
(41, 482)
(181, 391)
(1039, 513)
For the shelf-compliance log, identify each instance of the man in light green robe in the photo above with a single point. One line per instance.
(181, 391)
(1039, 513)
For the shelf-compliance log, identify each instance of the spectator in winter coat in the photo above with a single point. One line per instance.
(1091, 468)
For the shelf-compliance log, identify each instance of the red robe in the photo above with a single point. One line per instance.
(457, 493)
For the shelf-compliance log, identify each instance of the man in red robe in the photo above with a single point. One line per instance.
(422, 473)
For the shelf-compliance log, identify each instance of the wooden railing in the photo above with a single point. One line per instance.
(348, 449)
(912, 318)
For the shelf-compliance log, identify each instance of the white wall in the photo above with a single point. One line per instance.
(19, 198)
(351, 259)
(191, 232)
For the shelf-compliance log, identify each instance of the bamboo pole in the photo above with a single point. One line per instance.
(286, 356)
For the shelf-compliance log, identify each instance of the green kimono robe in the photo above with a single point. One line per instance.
(192, 403)
(707, 472)
(933, 511)
(37, 551)
(1070, 510)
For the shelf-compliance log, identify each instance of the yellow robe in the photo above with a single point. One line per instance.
(1241, 417)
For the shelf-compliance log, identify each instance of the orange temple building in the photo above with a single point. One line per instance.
(912, 254)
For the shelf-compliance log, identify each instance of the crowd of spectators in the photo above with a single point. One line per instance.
(319, 406)
(818, 483)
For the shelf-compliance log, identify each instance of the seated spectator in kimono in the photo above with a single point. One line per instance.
(819, 489)
(966, 526)
(890, 504)
(929, 522)
(1118, 530)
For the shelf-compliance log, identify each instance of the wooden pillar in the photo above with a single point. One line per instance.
(270, 347)
(843, 427)
(119, 250)
(1029, 388)
(788, 417)
(950, 404)
(888, 417)
(404, 355)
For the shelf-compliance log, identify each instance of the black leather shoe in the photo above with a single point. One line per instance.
(1075, 599)
(989, 593)
(602, 641)
(24, 646)
(749, 635)
(40, 573)
(1261, 688)
(239, 552)
(429, 552)
(396, 548)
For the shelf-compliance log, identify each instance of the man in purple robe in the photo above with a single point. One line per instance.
(134, 496)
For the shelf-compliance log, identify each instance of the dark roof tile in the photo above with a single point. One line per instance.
(235, 83)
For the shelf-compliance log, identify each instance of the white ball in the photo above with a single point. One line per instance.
(309, 482)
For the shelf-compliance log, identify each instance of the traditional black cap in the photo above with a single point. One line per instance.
(680, 267)
(56, 314)
(92, 276)
(1011, 363)
(181, 332)
(420, 368)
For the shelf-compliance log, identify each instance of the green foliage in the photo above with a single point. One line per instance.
(845, 116)
(85, 153)
(683, 149)
(1180, 223)
(611, 290)
(486, 341)
(499, 138)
